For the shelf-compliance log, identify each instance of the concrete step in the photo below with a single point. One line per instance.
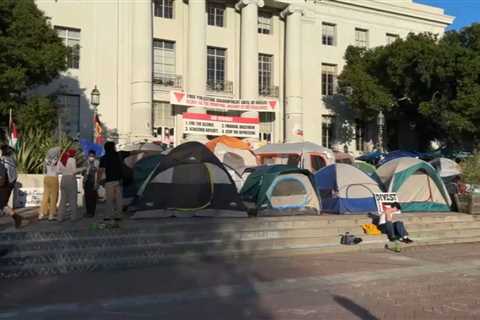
(231, 225)
(124, 262)
(70, 255)
(128, 237)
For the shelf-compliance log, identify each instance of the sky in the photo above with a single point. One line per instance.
(465, 11)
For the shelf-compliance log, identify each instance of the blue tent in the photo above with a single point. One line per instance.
(372, 157)
(398, 154)
(344, 189)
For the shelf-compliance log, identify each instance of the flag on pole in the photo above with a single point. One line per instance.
(99, 139)
(13, 135)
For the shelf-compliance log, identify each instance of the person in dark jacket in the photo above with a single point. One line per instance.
(8, 183)
(111, 170)
(90, 184)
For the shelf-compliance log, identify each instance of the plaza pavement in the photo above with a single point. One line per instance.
(427, 282)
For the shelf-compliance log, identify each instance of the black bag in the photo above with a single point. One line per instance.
(349, 239)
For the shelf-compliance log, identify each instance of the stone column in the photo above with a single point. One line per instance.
(197, 56)
(142, 92)
(197, 47)
(249, 48)
(293, 74)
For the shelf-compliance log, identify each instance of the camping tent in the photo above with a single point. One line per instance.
(305, 155)
(365, 167)
(235, 154)
(140, 172)
(190, 180)
(343, 157)
(446, 167)
(281, 189)
(345, 189)
(417, 184)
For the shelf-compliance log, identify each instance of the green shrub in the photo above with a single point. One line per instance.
(32, 146)
(471, 169)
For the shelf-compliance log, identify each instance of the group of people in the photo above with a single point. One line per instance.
(106, 171)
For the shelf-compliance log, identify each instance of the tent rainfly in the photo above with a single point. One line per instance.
(417, 184)
(281, 190)
(188, 181)
(344, 189)
(304, 155)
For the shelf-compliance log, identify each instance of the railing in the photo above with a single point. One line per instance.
(220, 86)
(167, 80)
(272, 91)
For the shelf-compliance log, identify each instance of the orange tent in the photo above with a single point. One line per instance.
(231, 142)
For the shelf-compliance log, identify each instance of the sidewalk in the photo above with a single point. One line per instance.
(440, 282)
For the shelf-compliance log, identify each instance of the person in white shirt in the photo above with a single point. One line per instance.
(392, 227)
(67, 167)
(7, 183)
(50, 185)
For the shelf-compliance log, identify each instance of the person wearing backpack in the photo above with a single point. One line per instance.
(8, 178)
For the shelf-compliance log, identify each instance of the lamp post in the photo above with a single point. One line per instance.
(95, 101)
(380, 125)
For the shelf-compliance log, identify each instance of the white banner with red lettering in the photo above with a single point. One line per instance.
(225, 104)
(205, 124)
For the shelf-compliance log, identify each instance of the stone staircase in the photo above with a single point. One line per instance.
(61, 249)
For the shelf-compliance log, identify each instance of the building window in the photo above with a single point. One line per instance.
(216, 68)
(361, 38)
(69, 114)
(265, 24)
(359, 135)
(329, 79)
(164, 62)
(164, 122)
(163, 8)
(216, 12)
(267, 120)
(327, 131)
(391, 38)
(265, 63)
(329, 34)
(71, 39)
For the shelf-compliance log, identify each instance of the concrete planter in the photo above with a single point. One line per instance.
(468, 203)
(29, 191)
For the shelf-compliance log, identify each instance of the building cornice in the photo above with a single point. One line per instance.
(243, 3)
(412, 10)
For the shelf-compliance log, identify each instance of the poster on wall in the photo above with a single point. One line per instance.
(224, 104)
(205, 124)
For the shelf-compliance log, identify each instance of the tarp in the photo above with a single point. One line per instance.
(417, 184)
(280, 187)
(372, 157)
(398, 154)
(344, 189)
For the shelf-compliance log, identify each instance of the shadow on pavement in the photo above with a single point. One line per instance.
(354, 308)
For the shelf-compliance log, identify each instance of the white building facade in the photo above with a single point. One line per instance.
(265, 70)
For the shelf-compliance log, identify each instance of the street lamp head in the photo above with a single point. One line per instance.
(380, 119)
(95, 97)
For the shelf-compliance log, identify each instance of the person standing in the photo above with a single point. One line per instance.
(111, 168)
(8, 178)
(67, 167)
(90, 184)
(50, 185)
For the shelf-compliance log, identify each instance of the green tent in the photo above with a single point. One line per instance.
(280, 187)
(417, 184)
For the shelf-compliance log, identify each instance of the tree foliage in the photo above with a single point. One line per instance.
(434, 81)
(31, 54)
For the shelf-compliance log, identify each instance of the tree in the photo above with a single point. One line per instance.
(435, 82)
(31, 53)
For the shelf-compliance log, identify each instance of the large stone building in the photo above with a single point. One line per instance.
(174, 70)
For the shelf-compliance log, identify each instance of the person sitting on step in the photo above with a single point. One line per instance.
(389, 225)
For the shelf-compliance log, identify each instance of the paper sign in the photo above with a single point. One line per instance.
(385, 198)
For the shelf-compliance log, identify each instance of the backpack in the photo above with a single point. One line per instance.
(3, 174)
(349, 239)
